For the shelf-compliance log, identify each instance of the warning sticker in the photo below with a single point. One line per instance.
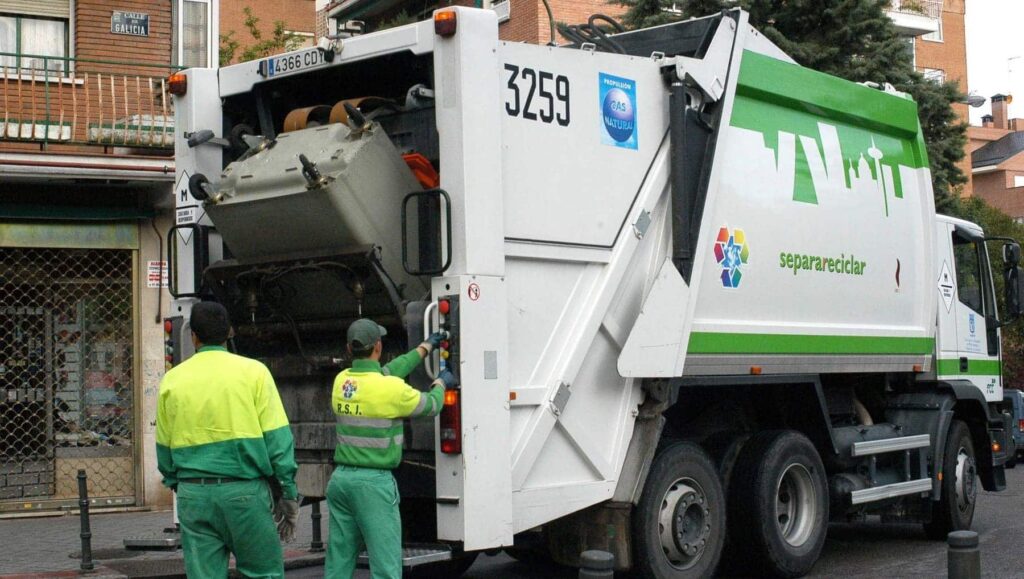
(946, 286)
(156, 274)
(186, 215)
(473, 291)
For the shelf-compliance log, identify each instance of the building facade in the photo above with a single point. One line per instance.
(86, 174)
(298, 16)
(997, 159)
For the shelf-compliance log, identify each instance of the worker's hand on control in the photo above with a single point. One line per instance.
(286, 515)
(448, 379)
(433, 342)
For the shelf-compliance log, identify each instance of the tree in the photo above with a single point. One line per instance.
(279, 41)
(851, 39)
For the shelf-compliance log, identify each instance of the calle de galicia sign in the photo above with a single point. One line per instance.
(130, 23)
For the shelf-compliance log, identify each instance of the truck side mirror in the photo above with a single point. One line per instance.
(1011, 254)
(1014, 290)
(426, 232)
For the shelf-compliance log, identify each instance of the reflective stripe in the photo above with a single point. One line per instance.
(420, 405)
(370, 442)
(371, 422)
(433, 406)
(364, 441)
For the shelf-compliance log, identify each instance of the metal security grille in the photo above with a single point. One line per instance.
(66, 376)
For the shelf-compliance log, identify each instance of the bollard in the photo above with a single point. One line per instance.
(317, 544)
(83, 509)
(597, 565)
(964, 556)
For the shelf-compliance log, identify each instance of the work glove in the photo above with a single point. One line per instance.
(433, 342)
(286, 516)
(448, 379)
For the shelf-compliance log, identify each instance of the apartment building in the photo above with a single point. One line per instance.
(997, 159)
(298, 16)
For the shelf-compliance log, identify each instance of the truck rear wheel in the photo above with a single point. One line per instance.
(778, 503)
(954, 510)
(679, 523)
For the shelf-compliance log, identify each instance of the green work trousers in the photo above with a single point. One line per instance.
(364, 512)
(231, 517)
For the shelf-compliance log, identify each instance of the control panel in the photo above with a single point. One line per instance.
(448, 323)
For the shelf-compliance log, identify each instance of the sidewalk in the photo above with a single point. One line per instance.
(51, 546)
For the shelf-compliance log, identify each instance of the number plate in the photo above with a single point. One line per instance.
(291, 63)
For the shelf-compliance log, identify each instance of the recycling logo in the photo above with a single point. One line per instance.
(731, 252)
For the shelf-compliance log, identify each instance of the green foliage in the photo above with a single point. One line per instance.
(400, 19)
(851, 39)
(280, 40)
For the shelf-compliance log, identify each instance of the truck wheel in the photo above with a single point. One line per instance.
(954, 510)
(679, 523)
(778, 503)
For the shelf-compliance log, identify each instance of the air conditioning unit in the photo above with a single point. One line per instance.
(504, 10)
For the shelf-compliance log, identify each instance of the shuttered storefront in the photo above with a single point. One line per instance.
(45, 8)
(67, 362)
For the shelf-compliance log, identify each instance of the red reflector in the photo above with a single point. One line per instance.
(1020, 424)
(444, 307)
(177, 84)
(423, 170)
(445, 23)
(451, 423)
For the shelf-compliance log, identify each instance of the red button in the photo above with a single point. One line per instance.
(444, 346)
(443, 306)
(168, 326)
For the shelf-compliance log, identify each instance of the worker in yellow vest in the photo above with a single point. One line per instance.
(221, 433)
(362, 494)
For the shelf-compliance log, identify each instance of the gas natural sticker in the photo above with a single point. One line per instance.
(618, 111)
(946, 286)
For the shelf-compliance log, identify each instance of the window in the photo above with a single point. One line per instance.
(937, 35)
(936, 75)
(912, 47)
(195, 25)
(1018, 180)
(968, 273)
(25, 40)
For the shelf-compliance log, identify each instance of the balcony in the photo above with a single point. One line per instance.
(84, 106)
(916, 17)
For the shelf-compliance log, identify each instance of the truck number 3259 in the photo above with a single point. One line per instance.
(530, 95)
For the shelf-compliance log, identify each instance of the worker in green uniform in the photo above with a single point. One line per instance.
(221, 433)
(362, 494)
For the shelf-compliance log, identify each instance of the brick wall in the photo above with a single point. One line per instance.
(950, 55)
(297, 15)
(529, 21)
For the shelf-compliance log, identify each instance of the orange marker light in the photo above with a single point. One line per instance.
(511, 395)
(177, 84)
(918, 368)
(451, 397)
(755, 370)
(445, 23)
(996, 447)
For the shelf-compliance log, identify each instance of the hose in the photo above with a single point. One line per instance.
(592, 33)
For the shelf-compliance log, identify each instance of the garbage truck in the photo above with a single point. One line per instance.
(697, 296)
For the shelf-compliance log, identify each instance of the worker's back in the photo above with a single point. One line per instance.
(215, 411)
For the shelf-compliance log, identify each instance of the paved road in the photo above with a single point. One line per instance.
(852, 551)
(863, 550)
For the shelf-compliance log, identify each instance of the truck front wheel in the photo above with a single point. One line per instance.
(954, 510)
(679, 523)
(778, 503)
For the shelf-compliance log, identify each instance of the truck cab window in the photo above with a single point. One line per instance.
(968, 273)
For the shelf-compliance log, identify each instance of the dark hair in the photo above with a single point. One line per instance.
(358, 353)
(210, 322)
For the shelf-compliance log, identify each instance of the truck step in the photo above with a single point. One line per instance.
(883, 492)
(891, 444)
(414, 555)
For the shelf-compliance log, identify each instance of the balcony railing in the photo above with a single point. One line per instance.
(77, 101)
(929, 8)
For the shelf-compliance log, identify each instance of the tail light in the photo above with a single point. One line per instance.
(451, 423)
(1020, 424)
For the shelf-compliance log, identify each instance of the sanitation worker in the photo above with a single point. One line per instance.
(221, 433)
(362, 495)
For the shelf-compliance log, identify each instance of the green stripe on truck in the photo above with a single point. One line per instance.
(727, 343)
(974, 368)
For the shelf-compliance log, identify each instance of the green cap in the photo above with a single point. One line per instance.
(365, 333)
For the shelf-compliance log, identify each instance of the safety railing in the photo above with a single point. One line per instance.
(48, 99)
(929, 8)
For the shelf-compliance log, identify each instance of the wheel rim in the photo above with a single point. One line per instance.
(796, 509)
(684, 523)
(966, 489)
